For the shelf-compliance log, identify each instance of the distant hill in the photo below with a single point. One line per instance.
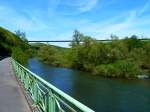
(38, 45)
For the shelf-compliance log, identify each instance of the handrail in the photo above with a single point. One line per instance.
(45, 96)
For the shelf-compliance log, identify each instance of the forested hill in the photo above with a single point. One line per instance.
(14, 45)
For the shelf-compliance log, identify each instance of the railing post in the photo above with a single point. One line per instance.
(35, 91)
(19, 72)
(51, 102)
(26, 81)
(46, 103)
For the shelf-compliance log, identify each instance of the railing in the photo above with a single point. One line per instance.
(45, 96)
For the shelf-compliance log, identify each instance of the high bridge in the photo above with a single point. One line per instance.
(67, 41)
(23, 91)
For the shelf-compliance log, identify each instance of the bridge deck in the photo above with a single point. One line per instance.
(12, 98)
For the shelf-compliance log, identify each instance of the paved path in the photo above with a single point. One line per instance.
(12, 98)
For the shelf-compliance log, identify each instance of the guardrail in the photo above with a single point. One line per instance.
(45, 96)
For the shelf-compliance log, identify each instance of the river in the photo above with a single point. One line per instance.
(100, 94)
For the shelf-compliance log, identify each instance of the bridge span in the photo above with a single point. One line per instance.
(68, 41)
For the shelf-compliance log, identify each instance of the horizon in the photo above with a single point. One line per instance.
(56, 19)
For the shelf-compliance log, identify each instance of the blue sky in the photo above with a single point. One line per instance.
(57, 19)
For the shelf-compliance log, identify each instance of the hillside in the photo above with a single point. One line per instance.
(13, 45)
(38, 45)
(8, 41)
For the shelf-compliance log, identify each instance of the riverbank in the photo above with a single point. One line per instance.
(100, 75)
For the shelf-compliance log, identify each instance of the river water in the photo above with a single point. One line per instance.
(100, 94)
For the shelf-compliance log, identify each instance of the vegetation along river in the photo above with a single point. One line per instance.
(100, 94)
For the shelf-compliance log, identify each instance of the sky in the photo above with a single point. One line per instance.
(57, 19)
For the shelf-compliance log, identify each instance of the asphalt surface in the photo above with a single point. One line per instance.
(12, 98)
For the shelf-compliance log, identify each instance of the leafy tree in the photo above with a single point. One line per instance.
(76, 38)
(21, 35)
(46, 54)
(133, 42)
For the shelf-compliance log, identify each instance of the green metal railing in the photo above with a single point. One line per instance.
(45, 96)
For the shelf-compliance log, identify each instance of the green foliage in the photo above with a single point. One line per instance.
(21, 35)
(19, 55)
(52, 55)
(127, 68)
(145, 56)
(46, 54)
(125, 58)
(122, 68)
(133, 42)
(14, 45)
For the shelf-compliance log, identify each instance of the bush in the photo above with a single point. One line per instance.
(127, 68)
(100, 70)
(88, 67)
(19, 55)
(105, 70)
(121, 68)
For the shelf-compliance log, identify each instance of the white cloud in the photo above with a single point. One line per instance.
(145, 7)
(14, 19)
(77, 6)
(131, 24)
(87, 5)
(113, 28)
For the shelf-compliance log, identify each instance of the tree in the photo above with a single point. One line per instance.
(21, 35)
(133, 42)
(76, 38)
(46, 54)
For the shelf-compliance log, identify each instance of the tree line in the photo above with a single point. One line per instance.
(127, 57)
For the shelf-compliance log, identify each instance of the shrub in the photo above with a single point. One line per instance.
(108, 70)
(19, 55)
(127, 68)
(100, 70)
(122, 68)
